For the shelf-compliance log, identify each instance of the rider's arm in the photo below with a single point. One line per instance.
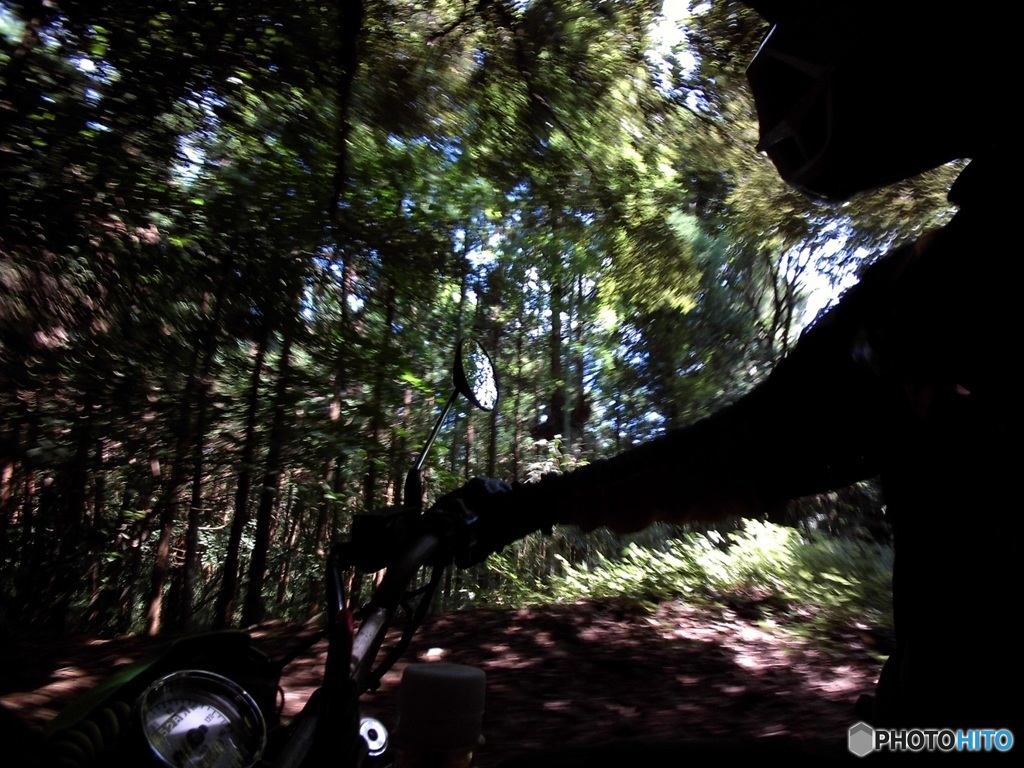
(816, 423)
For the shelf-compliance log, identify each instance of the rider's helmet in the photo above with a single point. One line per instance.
(855, 95)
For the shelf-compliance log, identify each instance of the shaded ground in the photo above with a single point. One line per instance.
(558, 675)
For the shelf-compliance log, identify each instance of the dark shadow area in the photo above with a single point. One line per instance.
(557, 676)
(573, 675)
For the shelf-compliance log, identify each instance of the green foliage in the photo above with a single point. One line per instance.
(239, 241)
(550, 456)
(812, 583)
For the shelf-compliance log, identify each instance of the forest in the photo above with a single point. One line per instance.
(240, 240)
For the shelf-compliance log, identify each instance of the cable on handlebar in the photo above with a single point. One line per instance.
(416, 617)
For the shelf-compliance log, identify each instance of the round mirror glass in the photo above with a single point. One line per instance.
(474, 375)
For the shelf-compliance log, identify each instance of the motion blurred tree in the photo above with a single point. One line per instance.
(239, 240)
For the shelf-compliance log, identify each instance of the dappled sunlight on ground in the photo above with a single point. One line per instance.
(572, 674)
(558, 675)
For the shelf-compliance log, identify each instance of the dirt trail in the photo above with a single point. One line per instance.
(558, 675)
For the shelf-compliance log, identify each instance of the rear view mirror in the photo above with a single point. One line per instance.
(474, 375)
(474, 378)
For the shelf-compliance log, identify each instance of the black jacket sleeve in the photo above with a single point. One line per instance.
(817, 423)
(914, 365)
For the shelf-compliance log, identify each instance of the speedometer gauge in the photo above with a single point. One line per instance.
(198, 719)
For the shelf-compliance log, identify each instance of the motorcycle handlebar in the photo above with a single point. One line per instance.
(401, 572)
(386, 600)
(382, 539)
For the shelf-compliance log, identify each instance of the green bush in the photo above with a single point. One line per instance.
(806, 580)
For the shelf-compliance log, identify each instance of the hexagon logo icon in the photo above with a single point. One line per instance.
(860, 739)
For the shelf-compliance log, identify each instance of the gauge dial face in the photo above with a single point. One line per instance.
(197, 719)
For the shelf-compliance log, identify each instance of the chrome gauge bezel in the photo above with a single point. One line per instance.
(239, 729)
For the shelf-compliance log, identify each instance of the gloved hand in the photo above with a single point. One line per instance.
(490, 514)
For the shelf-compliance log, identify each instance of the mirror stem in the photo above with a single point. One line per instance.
(413, 492)
(433, 433)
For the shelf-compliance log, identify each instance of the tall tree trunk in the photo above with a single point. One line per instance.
(517, 409)
(350, 27)
(329, 516)
(460, 330)
(96, 568)
(7, 515)
(293, 519)
(166, 508)
(581, 404)
(182, 609)
(8, 509)
(376, 426)
(103, 602)
(556, 414)
(32, 534)
(253, 607)
(69, 517)
(224, 608)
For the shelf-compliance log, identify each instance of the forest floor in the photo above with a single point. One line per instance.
(560, 675)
